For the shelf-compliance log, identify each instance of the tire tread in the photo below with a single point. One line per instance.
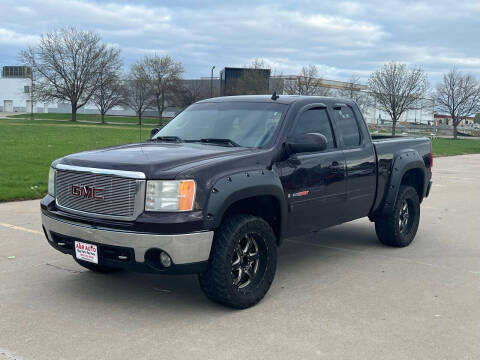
(386, 226)
(214, 282)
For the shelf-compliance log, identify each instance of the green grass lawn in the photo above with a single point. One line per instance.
(28, 147)
(446, 147)
(89, 117)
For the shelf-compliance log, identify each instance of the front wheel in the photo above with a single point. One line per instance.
(242, 262)
(400, 226)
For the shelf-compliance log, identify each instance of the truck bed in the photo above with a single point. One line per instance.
(392, 145)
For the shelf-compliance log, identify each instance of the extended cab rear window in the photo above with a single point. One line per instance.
(347, 126)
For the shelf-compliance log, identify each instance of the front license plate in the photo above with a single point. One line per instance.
(86, 252)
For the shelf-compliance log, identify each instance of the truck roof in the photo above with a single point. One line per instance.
(282, 99)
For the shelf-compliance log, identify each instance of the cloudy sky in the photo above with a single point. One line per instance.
(340, 37)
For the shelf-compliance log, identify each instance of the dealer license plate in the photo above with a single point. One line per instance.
(86, 252)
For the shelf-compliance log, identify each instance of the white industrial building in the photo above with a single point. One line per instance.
(15, 95)
(15, 89)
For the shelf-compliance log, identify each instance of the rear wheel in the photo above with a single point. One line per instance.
(400, 226)
(97, 268)
(242, 262)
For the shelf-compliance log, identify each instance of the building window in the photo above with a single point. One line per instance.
(26, 89)
(16, 71)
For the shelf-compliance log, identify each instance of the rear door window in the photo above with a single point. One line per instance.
(347, 126)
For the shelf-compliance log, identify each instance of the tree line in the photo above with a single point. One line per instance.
(77, 67)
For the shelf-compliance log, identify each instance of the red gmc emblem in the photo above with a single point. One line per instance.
(88, 192)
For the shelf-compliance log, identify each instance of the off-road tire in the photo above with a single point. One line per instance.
(218, 282)
(97, 268)
(389, 226)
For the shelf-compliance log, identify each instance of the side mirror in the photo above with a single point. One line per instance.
(154, 132)
(310, 142)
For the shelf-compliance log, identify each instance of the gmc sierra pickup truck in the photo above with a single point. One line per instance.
(218, 189)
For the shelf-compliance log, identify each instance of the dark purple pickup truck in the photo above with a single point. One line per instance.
(217, 190)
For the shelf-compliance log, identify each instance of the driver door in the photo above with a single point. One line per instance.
(315, 182)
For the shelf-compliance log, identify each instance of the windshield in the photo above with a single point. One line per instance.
(246, 124)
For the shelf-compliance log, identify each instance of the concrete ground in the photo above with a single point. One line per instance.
(337, 294)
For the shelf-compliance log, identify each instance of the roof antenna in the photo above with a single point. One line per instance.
(274, 96)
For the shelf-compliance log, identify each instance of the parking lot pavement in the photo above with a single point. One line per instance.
(337, 294)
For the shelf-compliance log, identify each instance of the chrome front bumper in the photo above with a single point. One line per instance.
(182, 248)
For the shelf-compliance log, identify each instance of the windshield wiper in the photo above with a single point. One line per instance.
(220, 141)
(168, 138)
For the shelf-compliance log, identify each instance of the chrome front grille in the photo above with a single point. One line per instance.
(118, 197)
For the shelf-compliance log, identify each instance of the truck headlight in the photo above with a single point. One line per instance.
(170, 195)
(51, 181)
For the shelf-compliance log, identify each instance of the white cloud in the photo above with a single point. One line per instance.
(13, 38)
(358, 32)
(340, 37)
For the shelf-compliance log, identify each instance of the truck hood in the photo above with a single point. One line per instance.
(156, 160)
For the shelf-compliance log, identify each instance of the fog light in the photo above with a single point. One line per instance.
(165, 259)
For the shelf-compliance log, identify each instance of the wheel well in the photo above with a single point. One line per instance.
(414, 178)
(266, 207)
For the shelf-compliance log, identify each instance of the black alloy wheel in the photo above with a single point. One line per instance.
(242, 262)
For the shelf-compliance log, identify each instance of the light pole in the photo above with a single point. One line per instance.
(31, 94)
(211, 82)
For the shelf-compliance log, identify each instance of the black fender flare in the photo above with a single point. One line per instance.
(243, 185)
(404, 161)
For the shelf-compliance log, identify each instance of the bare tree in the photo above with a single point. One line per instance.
(258, 63)
(191, 91)
(137, 91)
(306, 83)
(458, 95)
(68, 63)
(109, 91)
(397, 89)
(163, 76)
(354, 91)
